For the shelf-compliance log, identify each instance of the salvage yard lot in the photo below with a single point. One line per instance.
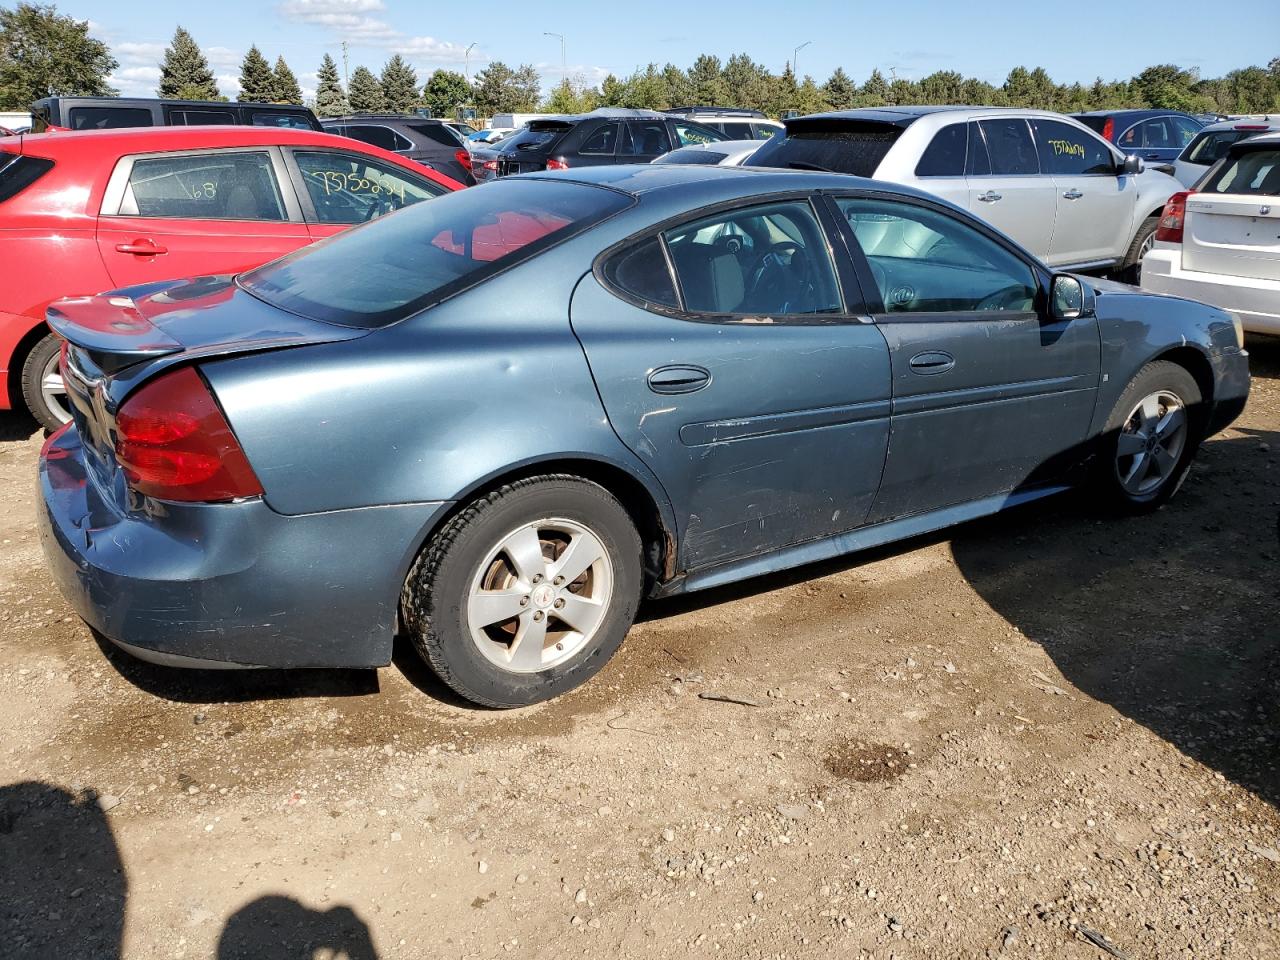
(1042, 734)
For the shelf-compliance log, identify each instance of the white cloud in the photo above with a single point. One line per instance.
(135, 81)
(431, 49)
(582, 74)
(229, 84)
(223, 58)
(350, 20)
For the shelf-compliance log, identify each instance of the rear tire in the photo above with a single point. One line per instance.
(484, 601)
(1143, 240)
(42, 387)
(1151, 438)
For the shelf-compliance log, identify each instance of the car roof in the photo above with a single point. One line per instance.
(1132, 112)
(1244, 123)
(150, 101)
(904, 116)
(141, 139)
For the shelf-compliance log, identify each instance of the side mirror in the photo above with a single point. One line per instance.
(1066, 298)
(1133, 164)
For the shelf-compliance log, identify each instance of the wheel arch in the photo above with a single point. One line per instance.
(18, 359)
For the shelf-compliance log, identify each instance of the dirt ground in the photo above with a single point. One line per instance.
(1047, 734)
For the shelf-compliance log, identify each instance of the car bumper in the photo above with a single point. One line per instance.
(1230, 390)
(231, 584)
(1255, 302)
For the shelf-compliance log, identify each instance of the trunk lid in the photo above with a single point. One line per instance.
(117, 340)
(1232, 234)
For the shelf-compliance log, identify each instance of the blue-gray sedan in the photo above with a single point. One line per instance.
(498, 420)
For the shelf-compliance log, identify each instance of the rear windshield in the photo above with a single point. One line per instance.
(855, 148)
(19, 172)
(1251, 172)
(401, 264)
(534, 137)
(1211, 146)
(691, 155)
(1096, 124)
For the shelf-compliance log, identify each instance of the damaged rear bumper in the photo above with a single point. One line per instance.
(231, 584)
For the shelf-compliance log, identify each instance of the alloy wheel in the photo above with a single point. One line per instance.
(1151, 443)
(540, 595)
(53, 391)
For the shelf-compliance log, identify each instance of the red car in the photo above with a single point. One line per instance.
(91, 211)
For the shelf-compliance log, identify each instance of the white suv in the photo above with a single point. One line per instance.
(733, 123)
(1046, 180)
(1221, 243)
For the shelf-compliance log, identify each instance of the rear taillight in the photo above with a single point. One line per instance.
(490, 164)
(554, 164)
(463, 157)
(173, 443)
(1172, 217)
(1109, 129)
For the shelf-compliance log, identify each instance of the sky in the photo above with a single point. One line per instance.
(1075, 41)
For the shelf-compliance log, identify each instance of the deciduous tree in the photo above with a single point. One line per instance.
(445, 92)
(45, 54)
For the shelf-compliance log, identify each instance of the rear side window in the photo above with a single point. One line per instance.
(397, 266)
(1069, 151)
(603, 142)
(19, 172)
(1009, 146)
(643, 273)
(179, 118)
(1251, 172)
(378, 136)
(348, 188)
(437, 133)
(737, 131)
(688, 133)
(212, 186)
(852, 147)
(944, 157)
(109, 118)
(292, 121)
(765, 131)
(644, 138)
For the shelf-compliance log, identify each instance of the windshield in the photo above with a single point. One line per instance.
(401, 264)
(852, 147)
(1250, 172)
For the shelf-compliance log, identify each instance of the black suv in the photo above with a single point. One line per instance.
(104, 113)
(607, 135)
(432, 143)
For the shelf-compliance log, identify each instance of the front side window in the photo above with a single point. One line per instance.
(1252, 172)
(602, 142)
(1009, 147)
(109, 118)
(944, 157)
(210, 186)
(736, 131)
(1160, 133)
(924, 261)
(1131, 139)
(1069, 151)
(390, 269)
(688, 132)
(765, 262)
(348, 188)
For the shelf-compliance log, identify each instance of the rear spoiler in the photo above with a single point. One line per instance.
(111, 328)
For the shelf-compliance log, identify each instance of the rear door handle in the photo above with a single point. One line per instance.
(989, 197)
(678, 378)
(931, 362)
(1073, 194)
(141, 248)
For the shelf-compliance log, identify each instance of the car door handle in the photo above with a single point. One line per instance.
(989, 197)
(141, 248)
(931, 362)
(678, 378)
(1073, 194)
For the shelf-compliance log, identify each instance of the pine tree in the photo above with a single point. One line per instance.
(286, 84)
(705, 82)
(399, 85)
(875, 92)
(365, 93)
(331, 99)
(184, 72)
(839, 90)
(257, 82)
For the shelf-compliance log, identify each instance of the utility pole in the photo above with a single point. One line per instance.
(795, 67)
(346, 80)
(564, 63)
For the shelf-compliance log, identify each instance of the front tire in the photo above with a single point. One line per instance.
(1143, 241)
(1151, 437)
(527, 592)
(42, 386)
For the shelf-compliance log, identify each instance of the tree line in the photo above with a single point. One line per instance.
(43, 53)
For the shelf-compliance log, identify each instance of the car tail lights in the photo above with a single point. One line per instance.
(173, 443)
(490, 165)
(463, 157)
(1109, 130)
(1172, 218)
(556, 164)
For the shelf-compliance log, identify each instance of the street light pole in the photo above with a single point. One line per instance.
(564, 64)
(467, 57)
(795, 56)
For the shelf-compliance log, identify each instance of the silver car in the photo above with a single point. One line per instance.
(1046, 180)
(1210, 145)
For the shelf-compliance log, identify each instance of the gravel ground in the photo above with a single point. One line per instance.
(1047, 734)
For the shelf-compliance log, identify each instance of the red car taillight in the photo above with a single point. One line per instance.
(463, 158)
(1109, 130)
(490, 164)
(173, 443)
(1172, 218)
(554, 164)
